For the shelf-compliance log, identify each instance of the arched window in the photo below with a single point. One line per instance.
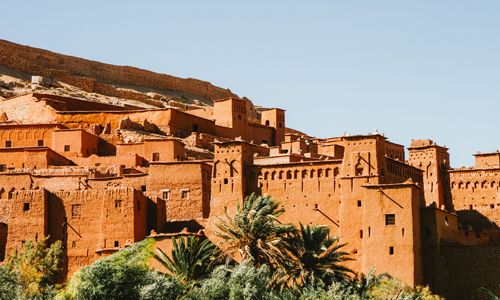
(320, 173)
(453, 185)
(313, 173)
(281, 174)
(296, 174)
(327, 172)
(289, 175)
(266, 175)
(304, 174)
(493, 184)
(484, 184)
(476, 185)
(467, 185)
(460, 185)
(336, 172)
(273, 175)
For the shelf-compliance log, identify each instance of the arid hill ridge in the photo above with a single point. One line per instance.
(95, 77)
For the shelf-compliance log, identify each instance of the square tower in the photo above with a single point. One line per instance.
(275, 117)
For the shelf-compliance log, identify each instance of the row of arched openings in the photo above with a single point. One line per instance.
(299, 174)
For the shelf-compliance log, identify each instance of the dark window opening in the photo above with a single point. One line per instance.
(166, 195)
(184, 194)
(76, 211)
(117, 244)
(391, 250)
(26, 206)
(143, 188)
(3, 168)
(359, 203)
(361, 234)
(402, 232)
(390, 219)
(359, 171)
(492, 205)
(40, 143)
(226, 181)
(67, 148)
(156, 156)
(264, 141)
(267, 122)
(195, 127)
(73, 244)
(118, 203)
(470, 207)
(369, 231)
(8, 143)
(239, 117)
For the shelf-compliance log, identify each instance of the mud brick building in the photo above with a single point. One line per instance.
(100, 177)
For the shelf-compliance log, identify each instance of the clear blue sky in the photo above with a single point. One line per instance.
(411, 69)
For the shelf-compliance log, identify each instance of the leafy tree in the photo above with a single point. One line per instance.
(386, 287)
(192, 258)
(119, 276)
(161, 287)
(312, 256)
(243, 281)
(34, 269)
(8, 284)
(254, 232)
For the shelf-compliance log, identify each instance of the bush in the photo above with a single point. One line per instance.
(119, 276)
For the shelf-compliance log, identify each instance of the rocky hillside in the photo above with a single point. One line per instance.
(68, 75)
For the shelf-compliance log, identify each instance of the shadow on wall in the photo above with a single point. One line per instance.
(475, 220)
(58, 226)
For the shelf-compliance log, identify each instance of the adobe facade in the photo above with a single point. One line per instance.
(100, 178)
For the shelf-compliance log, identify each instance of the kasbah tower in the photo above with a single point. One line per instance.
(100, 176)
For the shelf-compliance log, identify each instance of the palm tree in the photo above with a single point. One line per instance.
(192, 258)
(364, 283)
(254, 232)
(488, 293)
(312, 257)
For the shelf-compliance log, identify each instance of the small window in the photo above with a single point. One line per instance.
(359, 203)
(26, 206)
(3, 168)
(76, 211)
(470, 207)
(117, 244)
(8, 144)
(369, 231)
(239, 117)
(40, 143)
(391, 250)
(166, 194)
(118, 203)
(195, 127)
(143, 188)
(67, 148)
(492, 206)
(226, 181)
(267, 122)
(184, 194)
(156, 156)
(390, 219)
(73, 244)
(446, 221)
(361, 234)
(359, 171)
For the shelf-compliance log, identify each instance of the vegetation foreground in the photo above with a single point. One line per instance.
(262, 259)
